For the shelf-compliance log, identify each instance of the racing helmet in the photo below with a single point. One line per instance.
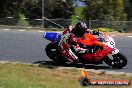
(79, 29)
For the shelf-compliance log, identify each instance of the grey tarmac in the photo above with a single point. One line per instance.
(29, 47)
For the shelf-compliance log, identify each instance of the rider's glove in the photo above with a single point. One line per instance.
(95, 33)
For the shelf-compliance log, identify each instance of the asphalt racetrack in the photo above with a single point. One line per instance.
(29, 47)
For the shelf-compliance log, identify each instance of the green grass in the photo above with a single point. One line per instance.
(30, 76)
(104, 29)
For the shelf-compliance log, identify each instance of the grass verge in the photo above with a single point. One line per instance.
(30, 76)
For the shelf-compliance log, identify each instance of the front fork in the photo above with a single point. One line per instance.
(114, 51)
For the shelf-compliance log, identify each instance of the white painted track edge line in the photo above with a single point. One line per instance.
(6, 29)
(21, 30)
(129, 36)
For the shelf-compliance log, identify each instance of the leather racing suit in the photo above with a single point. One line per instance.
(68, 39)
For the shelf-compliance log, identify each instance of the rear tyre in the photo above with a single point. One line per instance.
(54, 54)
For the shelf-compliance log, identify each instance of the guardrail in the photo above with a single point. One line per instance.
(10, 22)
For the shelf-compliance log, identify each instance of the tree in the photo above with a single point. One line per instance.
(32, 9)
(128, 9)
(105, 10)
(58, 8)
(10, 8)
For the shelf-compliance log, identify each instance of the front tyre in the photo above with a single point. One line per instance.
(119, 60)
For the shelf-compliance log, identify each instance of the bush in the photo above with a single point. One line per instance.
(105, 29)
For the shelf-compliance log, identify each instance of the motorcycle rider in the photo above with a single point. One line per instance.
(69, 39)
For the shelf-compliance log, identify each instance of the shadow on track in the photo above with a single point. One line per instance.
(53, 65)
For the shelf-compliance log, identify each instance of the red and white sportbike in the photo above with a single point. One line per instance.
(108, 53)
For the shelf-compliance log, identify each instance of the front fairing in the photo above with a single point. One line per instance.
(108, 40)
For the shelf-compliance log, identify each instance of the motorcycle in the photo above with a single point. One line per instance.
(108, 53)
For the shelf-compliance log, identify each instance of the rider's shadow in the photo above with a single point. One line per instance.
(47, 64)
(53, 65)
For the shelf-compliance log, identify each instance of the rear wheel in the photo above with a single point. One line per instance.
(54, 54)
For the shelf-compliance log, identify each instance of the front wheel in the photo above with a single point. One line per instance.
(119, 60)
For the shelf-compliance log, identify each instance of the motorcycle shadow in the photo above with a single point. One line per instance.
(47, 64)
(53, 65)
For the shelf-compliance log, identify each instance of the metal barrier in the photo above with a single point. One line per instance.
(25, 22)
(122, 26)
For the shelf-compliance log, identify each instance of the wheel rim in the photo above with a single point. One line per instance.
(118, 60)
(52, 53)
